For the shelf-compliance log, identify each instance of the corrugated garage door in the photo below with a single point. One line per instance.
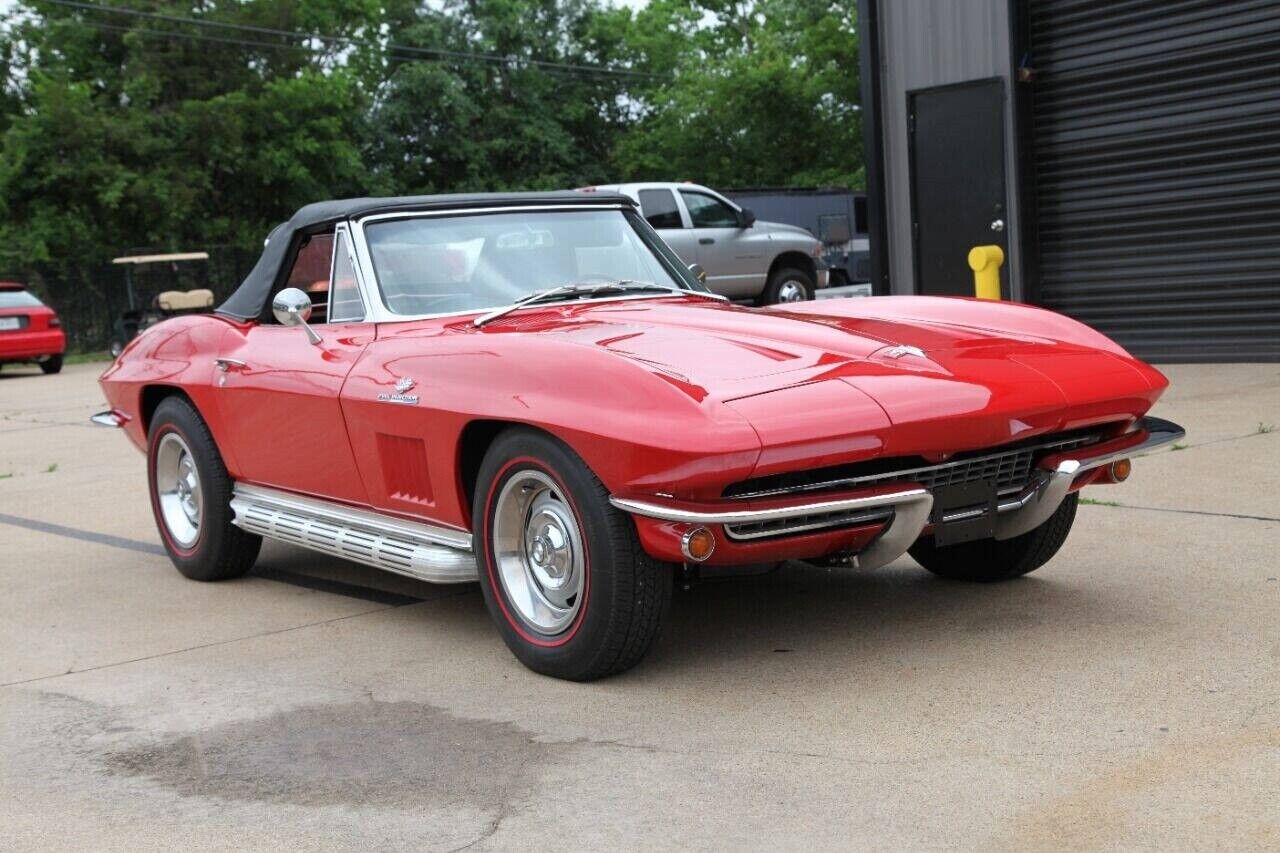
(1156, 135)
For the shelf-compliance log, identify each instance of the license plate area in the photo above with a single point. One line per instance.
(964, 512)
(10, 324)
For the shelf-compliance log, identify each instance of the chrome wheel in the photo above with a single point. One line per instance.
(539, 552)
(177, 484)
(792, 291)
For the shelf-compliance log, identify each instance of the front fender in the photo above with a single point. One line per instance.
(640, 428)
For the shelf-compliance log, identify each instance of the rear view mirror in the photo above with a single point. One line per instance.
(746, 218)
(698, 272)
(292, 307)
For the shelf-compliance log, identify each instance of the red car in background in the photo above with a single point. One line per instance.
(30, 331)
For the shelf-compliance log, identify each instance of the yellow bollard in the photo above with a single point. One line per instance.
(985, 261)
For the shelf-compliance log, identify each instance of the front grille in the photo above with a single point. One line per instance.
(1009, 468)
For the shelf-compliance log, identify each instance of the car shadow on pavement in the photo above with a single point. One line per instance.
(800, 615)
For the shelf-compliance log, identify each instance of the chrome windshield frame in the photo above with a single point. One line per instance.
(378, 312)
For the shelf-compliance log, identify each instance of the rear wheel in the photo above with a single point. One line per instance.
(787, 284)
(52, 364)
(191, 497)
(990, 560)
(564, 577)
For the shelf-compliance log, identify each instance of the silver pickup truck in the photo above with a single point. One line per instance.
(744, 259)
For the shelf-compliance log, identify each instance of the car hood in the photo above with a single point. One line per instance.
(784, 230)
(868, 379)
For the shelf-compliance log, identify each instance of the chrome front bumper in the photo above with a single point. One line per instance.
(908, 506)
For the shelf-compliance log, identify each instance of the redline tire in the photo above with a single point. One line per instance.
(992, 560)
(624, 593)
(218, 550)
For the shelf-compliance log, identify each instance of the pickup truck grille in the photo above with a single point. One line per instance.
(1010, 468)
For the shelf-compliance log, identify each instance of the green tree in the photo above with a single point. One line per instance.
(762, 93)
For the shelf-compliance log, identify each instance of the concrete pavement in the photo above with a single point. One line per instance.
(1126, 695)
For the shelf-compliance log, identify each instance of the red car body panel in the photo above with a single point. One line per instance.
(677, 397)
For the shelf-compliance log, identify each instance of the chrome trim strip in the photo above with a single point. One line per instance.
(666, 513)
(833, 520)
(910, 507)
(107, 419)
(417, 549)
(481, 209)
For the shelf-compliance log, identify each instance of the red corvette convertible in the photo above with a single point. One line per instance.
(532, 391)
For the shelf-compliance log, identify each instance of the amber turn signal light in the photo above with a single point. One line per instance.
(698, 544)
(1120, 470)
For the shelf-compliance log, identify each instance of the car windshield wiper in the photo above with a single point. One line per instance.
(586, 289)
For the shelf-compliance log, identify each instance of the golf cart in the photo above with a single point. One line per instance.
(140, 315)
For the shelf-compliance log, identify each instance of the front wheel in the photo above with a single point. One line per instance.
(990, 560)
(564, 577)
(191, 496)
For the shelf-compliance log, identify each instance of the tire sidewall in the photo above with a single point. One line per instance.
(157, 434)
(178, 418)
(574, 649)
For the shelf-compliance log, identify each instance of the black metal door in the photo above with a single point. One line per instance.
(957, 181)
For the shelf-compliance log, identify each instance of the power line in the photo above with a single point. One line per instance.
(295, 48)
(438, 53)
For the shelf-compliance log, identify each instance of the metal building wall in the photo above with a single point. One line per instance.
(1156, 131)
(926, 43)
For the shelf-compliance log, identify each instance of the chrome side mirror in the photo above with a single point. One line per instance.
(292, 307)
(698, 272)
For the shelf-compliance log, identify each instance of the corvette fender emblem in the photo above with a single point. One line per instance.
(903, 349)
(403, 385)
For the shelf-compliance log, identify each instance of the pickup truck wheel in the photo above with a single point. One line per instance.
(52, 364)
(564, 577)
(990, 560)
(191, 497)
(787, 284)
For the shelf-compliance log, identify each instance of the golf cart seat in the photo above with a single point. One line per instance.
(181, 301)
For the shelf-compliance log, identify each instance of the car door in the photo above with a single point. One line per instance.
(736, 264)
(660, 210)
(278, 393)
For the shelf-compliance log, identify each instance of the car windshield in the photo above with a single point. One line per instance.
(18, 299)
(439, 265)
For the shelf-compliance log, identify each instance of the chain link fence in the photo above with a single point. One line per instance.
(92, 300)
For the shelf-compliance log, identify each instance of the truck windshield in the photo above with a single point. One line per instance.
(439, 265)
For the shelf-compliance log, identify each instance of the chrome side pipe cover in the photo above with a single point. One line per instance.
(423, 551)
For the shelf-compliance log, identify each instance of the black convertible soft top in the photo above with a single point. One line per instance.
(250, 299)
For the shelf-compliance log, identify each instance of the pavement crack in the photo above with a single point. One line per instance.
(1116, 505)
(215, 644)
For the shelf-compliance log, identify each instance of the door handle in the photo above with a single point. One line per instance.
(706, 241)
(997, 225)
(226, 364)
